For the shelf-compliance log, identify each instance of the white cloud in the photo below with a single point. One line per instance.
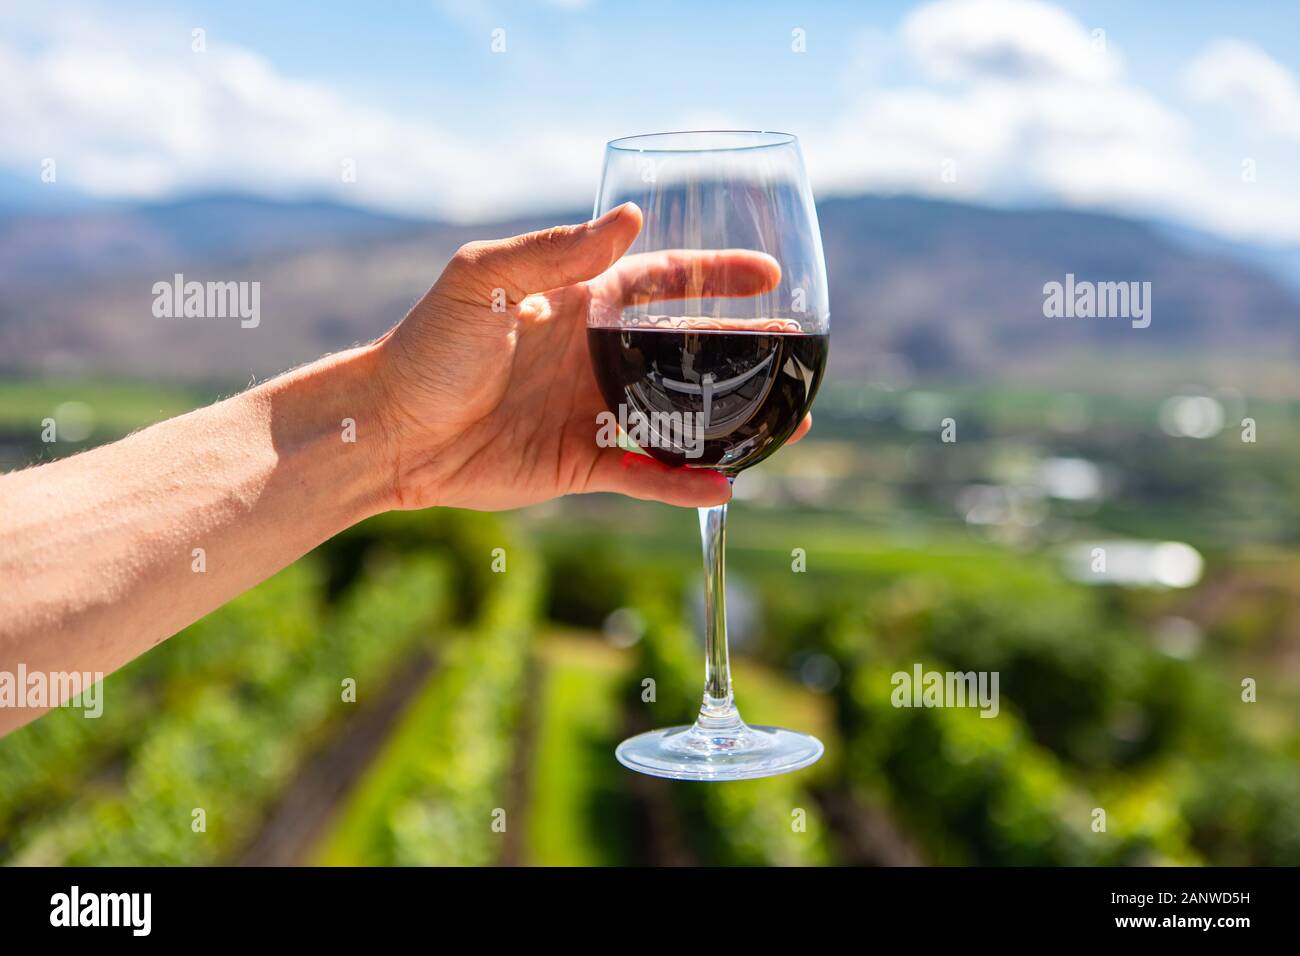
(1245, 79)
(1027, 108)
(1077, 144)
(139, 118)
(1017, 95)
(1020, 40)
(1034, 109)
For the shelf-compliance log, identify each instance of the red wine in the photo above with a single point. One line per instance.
(712, 398)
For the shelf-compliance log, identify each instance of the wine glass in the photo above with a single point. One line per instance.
(711, 347)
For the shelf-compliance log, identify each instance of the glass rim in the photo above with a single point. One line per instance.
(676, 141)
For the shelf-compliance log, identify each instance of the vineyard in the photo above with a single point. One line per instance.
(402, 697)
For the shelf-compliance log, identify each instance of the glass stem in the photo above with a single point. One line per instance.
(718, 714)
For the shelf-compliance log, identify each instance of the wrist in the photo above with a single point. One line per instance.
(420, 438)
(332, 418)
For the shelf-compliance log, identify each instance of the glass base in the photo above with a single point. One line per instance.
(739, 752)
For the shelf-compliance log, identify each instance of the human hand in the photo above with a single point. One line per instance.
(470, 407)
(496, 408)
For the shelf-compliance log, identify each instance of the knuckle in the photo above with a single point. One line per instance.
(470, 254)
(554, 239)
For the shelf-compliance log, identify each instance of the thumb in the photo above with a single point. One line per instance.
(548, 259)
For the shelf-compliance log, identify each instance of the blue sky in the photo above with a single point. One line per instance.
(1189, 113)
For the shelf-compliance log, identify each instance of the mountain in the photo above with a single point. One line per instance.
(1280, 260)
(932, 287)
(959, 288)
(28, 193)
(81, 242)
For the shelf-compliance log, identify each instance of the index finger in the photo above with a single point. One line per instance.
(686, 274)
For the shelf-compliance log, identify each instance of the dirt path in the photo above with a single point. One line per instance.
(517, 787)
(865, 835)
(324, 781)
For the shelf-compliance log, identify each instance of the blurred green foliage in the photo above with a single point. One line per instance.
(519, 714)
(238, 699)
(436, 791)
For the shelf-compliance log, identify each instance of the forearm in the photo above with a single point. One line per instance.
(99, 553)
